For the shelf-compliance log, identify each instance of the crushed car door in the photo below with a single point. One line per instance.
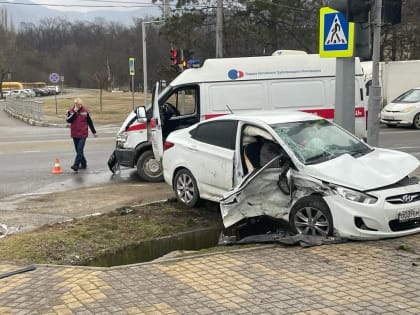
(261, 192)
(156, 125)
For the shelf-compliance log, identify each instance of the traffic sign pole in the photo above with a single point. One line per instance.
(344, 93)
(336, 39)
(132, 73)
(55, 78)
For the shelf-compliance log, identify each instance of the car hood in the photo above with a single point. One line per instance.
(399, 106)
(379, 168)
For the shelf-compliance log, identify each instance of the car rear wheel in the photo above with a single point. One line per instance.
(416, 121)
(148, 168)
(311, 216)
(185, 187)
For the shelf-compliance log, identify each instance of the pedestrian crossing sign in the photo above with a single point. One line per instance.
(336, 35)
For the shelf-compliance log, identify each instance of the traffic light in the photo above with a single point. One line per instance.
(354, 10)
(391, 11)
(174, 56)
(184, 63)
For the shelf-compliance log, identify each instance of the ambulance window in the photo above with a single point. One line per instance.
(220, 133)
(185, 99)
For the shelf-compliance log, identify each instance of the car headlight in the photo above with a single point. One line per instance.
(122, 138)
(354, 195)
(408, 109)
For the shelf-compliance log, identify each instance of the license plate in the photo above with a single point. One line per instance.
(407, 215)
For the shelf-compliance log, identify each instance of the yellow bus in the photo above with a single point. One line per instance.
(31, 85)
(8, 86)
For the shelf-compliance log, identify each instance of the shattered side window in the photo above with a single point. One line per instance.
(319, 140)
(218, 133)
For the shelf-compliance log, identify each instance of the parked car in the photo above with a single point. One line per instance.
(404, 110)
(297, 167)
(6, 94)
(41, 92)
(18, 94)
(53, 89)
(29, 92)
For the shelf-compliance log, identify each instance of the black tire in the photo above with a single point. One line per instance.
(148, 168)
(185, 188)
(416, 121)
(311, 216)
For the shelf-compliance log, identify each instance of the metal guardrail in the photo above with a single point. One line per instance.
(26, 107)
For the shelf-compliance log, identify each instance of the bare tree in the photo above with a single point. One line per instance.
(102, 78)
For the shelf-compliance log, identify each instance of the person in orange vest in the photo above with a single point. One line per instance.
(79, 118)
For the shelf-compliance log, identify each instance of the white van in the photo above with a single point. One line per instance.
(292, 81)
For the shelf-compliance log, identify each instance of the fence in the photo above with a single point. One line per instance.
(27, 108)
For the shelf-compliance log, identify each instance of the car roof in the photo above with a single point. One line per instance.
(271, 116)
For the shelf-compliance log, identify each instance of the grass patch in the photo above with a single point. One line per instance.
(406, 248)
(81, 240)
(115, 106)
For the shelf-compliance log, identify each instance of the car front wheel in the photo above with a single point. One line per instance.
(185, 187)
(311, 216)
(416, 121)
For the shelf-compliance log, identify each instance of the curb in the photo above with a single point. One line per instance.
(33, 122)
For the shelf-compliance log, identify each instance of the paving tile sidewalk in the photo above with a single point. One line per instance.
(381, 277)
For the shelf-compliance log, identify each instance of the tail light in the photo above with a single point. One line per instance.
(153, 123)
(167, 145)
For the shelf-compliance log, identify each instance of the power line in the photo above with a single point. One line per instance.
(82, 5)
(114, 1)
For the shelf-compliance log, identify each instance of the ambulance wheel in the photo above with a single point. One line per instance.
(186, 189)
(311, 216)
(148, 168)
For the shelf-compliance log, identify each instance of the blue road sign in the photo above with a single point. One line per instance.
(54, 78)
(336, 35)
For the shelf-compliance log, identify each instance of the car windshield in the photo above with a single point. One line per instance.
(411, 96)
(317, 141)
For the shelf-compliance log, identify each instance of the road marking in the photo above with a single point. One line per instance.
(383, 132)
(99, 138)
(401, 148)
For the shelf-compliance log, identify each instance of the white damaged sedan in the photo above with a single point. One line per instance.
(297, 167)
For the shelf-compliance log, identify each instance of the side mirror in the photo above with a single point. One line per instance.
(141, 113)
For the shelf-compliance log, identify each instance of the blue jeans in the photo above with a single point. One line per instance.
(79, 146)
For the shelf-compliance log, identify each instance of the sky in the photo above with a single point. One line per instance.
(92, 5)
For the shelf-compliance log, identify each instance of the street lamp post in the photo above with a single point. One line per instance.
(143, 31)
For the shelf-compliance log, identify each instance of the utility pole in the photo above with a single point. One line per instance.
(166, 9)
(143, 32)
(219, 29)
(375, 90)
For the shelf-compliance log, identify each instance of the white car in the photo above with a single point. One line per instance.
(29, 92)
(6, 93)
(404, 110)
(297, 167)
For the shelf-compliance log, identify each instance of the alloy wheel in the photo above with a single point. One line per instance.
(311, 221)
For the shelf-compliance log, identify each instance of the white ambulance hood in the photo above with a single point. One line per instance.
(129, 118)
(379, 168)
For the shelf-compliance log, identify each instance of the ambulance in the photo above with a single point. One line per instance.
(228, 85)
